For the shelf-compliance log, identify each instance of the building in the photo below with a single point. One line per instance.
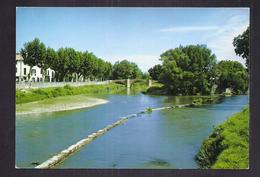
(22, 72)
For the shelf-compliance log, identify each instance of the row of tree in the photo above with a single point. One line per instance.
(70, 64)
(185, 70)
(193, 69)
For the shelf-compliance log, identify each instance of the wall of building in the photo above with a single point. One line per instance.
(22, 71)
(20, 67)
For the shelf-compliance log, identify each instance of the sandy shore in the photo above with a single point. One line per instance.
(58, 104)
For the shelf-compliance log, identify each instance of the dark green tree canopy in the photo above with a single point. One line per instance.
(155, 71)
(125, 70)
(241, 44)
(232, 74)
(66, 62)
(187, 70)
(34, 53)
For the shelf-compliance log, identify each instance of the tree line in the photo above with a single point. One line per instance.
(70, 64)
(193, 69)
(186, 70)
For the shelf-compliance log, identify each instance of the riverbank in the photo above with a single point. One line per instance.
(31, 95)
(161, 89)
(228, 146)
(62, 103)
(67, 97)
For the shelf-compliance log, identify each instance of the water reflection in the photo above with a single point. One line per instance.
(162, 139)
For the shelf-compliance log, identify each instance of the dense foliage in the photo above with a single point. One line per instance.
(233, 75)
(155, 71)
(241, 44)
(70, 64)
(34, 54)
(188, 70)
(193, 70)
(227, 147)
(126, 70)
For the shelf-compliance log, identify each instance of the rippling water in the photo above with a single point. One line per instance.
(161, 139)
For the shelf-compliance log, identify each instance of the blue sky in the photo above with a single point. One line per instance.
(136, 34)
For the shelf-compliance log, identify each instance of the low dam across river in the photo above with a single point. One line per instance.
(73, 148)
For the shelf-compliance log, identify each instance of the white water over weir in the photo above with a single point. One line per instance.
(61, 156)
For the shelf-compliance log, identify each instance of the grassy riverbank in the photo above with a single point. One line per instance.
(228, 146)
(31, 95)
(67, 97)
(26, 96)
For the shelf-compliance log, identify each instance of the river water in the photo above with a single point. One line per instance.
(161, 139)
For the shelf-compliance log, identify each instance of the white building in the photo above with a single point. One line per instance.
(22, 71)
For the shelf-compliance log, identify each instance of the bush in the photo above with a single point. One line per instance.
(149, 110)
(197, 101)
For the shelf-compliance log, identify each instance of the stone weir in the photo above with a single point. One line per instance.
(61, 156)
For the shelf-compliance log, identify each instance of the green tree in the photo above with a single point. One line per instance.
(188, 70)
(68, 63)
(126, 69)
(34, 54)
(62, 64)
(232, 74)
(171, 75)
(155, 71)
(146, 76)
(74, 62)
(90, 66)
(51, 59)
(79, 64)
(241, 44)
(107, 70)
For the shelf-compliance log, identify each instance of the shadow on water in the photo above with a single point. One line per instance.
(152, 163)
(157, 163)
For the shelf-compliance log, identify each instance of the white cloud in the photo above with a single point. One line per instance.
(144, 62)
(221, 41)
(190, 28)
(218, 38)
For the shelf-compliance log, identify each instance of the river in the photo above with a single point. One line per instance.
(161, 139)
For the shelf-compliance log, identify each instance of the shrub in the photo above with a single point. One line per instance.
(197, 101)
(149, 110)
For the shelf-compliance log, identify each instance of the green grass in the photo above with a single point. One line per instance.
(44, 93)
(91, 90)
(228, 146)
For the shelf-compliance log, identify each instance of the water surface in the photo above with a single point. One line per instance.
(161, 139)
